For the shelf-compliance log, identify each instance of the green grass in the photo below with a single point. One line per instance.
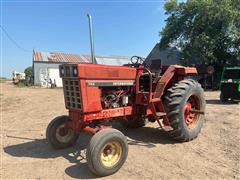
(21, 85)
(2, 81)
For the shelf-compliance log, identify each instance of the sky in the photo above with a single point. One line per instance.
(120, 28)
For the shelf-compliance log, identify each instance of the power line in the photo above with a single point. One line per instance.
(13, 41)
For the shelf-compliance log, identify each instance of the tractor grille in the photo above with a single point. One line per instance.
(72, 94)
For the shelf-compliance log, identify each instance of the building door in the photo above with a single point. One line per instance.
(53, 74)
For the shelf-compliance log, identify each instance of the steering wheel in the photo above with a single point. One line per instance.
(136, 60)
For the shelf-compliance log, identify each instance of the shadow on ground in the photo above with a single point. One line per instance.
(40, 148)
(145, 136)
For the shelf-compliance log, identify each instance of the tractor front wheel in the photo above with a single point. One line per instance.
(107, 152)
(58, 135)
(184, 103)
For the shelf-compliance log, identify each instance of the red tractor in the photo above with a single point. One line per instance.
(131, 94)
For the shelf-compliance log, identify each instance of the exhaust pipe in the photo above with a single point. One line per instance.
(93, 59)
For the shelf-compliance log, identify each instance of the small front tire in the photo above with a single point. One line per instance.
(107, 152)
(58, 135)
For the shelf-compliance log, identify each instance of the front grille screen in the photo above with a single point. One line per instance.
(72, 94)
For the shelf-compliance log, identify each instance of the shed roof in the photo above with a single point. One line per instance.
(57, 57)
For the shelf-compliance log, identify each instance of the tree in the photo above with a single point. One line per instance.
(28, 75)
(207, 31)
(28, 71)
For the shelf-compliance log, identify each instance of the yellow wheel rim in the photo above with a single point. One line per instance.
(111, 153)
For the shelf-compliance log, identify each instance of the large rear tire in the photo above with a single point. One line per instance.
(107, 152)
(58, 135)
(184, 103)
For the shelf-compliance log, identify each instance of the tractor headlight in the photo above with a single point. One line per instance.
(75, 71)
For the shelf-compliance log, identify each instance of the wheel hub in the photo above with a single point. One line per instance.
(64, 134)
(63, 131)
(111, 153)
(191, 108)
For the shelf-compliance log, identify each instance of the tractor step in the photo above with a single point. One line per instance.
(164, 127)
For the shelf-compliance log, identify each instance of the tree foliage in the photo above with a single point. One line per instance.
(207, 31)
(28, 76)
(28, 71)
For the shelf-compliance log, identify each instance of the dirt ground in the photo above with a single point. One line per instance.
(25, 153)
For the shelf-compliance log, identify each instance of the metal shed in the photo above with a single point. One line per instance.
(167, 56)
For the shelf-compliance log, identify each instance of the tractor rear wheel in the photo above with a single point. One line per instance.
(58, 135)
(107, 152)
(184, 103)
